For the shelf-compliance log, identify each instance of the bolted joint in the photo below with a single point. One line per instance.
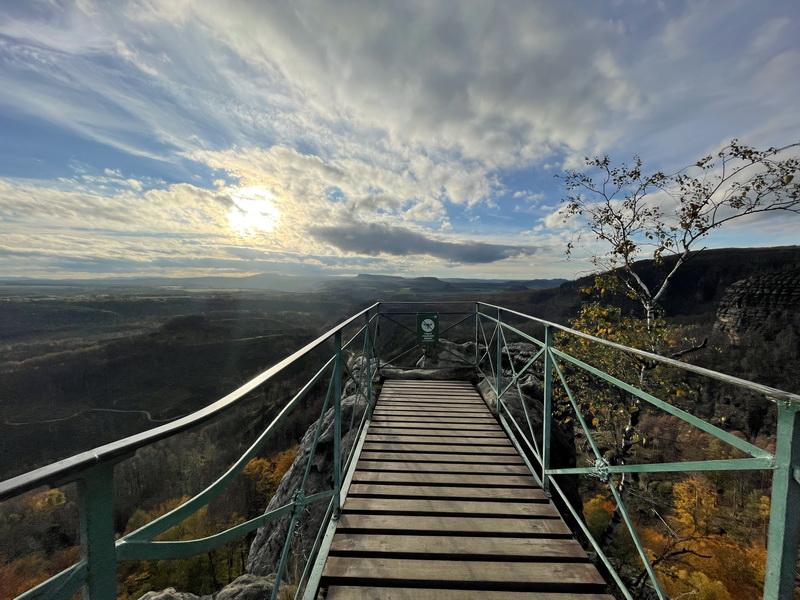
(299, 501)
(601, 469)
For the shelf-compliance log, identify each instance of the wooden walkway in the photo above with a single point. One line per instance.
(443, 508)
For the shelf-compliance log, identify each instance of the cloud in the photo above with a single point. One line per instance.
(433, 114)
(373, 239)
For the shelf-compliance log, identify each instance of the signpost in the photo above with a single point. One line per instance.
(427, 328)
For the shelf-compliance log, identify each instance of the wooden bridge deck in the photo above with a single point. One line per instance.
(442, 507)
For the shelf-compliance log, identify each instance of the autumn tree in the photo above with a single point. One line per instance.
(630, 215)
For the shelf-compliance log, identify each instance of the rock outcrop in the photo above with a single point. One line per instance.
(445, 360)
(170, 594)
(758, 304)
(266, 548)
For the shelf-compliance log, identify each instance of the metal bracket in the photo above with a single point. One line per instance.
(299, 501)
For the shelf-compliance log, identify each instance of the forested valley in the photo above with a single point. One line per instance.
(70, 360)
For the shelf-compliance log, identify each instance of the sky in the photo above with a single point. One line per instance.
(319, 137)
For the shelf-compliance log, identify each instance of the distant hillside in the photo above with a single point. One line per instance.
(388, 287)
(693, 296)
(262, 281)
(360, 286)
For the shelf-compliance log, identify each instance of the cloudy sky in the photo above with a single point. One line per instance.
(192, 137)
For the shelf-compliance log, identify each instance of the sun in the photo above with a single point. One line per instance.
(253, 212)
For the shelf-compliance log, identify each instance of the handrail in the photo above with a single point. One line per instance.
(68, 467)
(784, 522)
(94, 472)
(769, 392)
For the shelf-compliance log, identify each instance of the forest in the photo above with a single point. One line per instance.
(159, 354)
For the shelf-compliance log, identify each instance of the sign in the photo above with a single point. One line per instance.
(428, 328)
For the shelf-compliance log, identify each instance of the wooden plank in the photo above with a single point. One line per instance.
(409, 447)
(501, 575)
(442, 457)
(431, 391)
(442, 467)
(431, 394)
(431, 382)
(433, 404)
(550, 528)
(414, 414)
(450, 507)
(454, 417)
(409, 437)
(345, 592)
(444, 479)
(405, 409)
(458, 547)
(499, 494)
(425, 424)
(473, 413)
(425, 421)
(420, 393)
(440, 431)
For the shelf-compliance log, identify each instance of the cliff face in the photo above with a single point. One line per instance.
(758, 304)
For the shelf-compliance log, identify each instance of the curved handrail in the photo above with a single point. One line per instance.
(69, 467)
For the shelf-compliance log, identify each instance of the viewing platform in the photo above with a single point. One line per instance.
(409, 483)
(441, 506)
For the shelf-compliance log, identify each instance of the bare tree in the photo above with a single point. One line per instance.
(658, 215)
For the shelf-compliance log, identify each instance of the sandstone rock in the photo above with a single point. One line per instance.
(562, 441)
(445, 360)
(168, 594)
(750, 305)
(266, 548)
(248, 587)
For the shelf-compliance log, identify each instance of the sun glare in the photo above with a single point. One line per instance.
(254, 212)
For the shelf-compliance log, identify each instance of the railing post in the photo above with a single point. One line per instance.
(376, 341)
(784, 515)
(547, 409)
(499, 367)
(95, 490)
(367, 367)
(477, 327)
(337, 425)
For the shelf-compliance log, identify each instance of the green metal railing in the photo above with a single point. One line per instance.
(93, 471)
(782, 549)
(384, 336)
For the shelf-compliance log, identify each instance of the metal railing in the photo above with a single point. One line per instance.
(96, 572)
(389, 330)
(553, 365)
